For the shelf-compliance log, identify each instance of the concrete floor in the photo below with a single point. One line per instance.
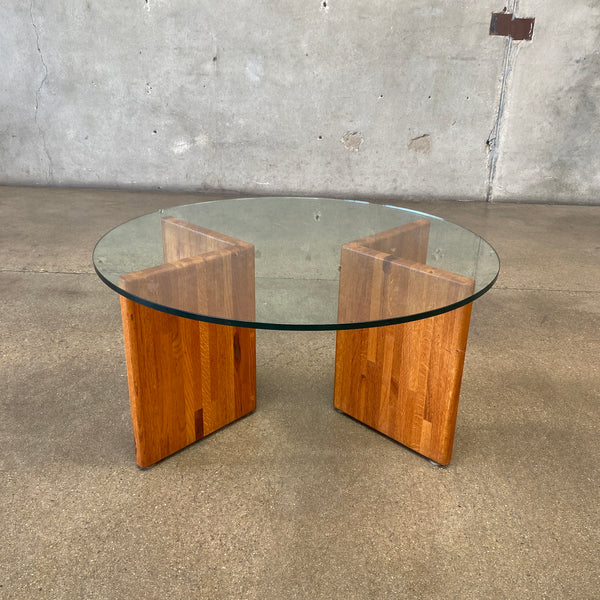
(297, 500)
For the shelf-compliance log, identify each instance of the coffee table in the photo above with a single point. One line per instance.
(196, 281)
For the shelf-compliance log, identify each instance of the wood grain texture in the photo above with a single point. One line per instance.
(403, 380)
(182, 240)
(189, 378)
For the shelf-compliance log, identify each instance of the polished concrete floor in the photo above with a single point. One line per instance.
(297, 500)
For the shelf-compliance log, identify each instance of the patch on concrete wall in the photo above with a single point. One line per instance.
(421, 144)
(181, 146)
(254, 69)
(352, 140)
(429, 11)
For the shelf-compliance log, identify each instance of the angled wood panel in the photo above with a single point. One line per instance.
(403, 380)
(189, 378)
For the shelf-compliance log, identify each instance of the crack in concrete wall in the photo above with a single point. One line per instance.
(38, 91)
(494, 137)
(493, 141)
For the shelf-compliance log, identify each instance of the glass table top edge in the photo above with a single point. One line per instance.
(283, 324)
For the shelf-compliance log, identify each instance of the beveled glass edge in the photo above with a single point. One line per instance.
(299, 326)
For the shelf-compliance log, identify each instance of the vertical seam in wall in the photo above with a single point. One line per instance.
(494, 137)
(39, 89)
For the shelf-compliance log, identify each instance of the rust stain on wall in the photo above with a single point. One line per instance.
(505, 23)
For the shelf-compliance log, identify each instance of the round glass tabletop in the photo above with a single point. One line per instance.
(296, 263)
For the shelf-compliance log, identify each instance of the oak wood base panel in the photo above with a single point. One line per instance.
(186, 378)
(189, 378)
(403, 380)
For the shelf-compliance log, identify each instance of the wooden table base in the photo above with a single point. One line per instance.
(189, 378)
(403, 380)
(186, 378)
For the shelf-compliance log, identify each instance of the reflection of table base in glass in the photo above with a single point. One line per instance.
(188, 378)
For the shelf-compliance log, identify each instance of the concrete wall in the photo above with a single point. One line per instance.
(331, 97)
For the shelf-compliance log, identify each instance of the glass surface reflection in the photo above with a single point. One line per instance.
(296, 263)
